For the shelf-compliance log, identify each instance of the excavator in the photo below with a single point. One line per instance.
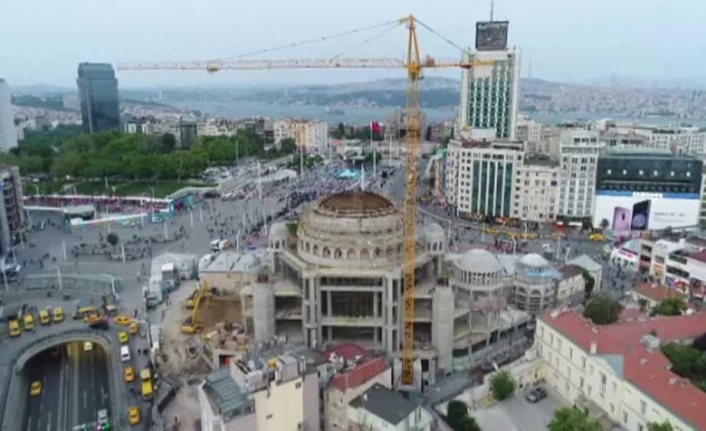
(191, 325)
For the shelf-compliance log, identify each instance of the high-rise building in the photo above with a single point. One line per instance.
(309, 135)
(490, 92)
(11, 208)
(578, 150)
(481, 176)
(537, 188)
(8, 131)
(98, 95)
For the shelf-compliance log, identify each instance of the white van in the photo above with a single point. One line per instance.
(124, 353)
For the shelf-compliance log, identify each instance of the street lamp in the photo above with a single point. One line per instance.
(58, 273)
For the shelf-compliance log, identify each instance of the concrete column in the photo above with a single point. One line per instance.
(442, 326)
(375, 305)
(328, 301)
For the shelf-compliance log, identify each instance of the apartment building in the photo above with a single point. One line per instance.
(358, 372)
(618, 372)
(578, 150)
(490, 92)
(12, 214)
(537, 189)
(262, 393)
(676, 261)
(482, 176)
(311, 136)
(529, 130)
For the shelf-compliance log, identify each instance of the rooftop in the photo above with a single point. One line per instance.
(224, 395)
(385, 403)
(361, 373)
(658, 292)
(644, 368)
(537, 159)
(571, 271)
(585, 262)
(231, 261)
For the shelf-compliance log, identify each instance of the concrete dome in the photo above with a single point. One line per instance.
(534, 260)
(279, 230)
(478, 261)
(351, 229)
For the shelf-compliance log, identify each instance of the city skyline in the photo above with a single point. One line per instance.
(582, 43)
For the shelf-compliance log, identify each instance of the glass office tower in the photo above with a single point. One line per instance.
(98, 93)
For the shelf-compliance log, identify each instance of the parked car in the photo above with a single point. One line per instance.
(536, 394)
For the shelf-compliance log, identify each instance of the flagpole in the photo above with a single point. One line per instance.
(373, 150)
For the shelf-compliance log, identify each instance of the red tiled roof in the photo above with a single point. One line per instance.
(646, 370)
(630, 314)
(348, 351)
(359, 375)
(657, 292)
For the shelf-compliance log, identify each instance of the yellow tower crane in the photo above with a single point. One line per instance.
(414, 65)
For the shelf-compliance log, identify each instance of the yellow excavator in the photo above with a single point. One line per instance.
(191, 325)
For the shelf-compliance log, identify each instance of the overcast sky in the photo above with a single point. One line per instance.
(42, 41)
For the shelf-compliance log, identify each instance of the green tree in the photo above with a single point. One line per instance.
(664, 426)
(168, 143)
(455, 412)
(700, 342)
(603, 310)
(571, 419)
(643, 303)
(605, 223)
(112, 239)
(287, 146)
(468, 423)
(670, 307)
(502, 385)
(589, 284)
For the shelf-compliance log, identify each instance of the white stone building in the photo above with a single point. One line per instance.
(618, 372)
(537, 189)
(579, 160)
(311, 136)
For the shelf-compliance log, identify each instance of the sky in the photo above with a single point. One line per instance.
(42, 41)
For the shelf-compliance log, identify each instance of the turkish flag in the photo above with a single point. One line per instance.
(375, 127)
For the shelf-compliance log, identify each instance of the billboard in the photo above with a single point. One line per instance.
(639, 211)
(491, 35)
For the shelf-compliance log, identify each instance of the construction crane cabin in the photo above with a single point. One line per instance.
(414, 64)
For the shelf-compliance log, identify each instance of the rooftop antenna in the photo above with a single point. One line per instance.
(492, 9)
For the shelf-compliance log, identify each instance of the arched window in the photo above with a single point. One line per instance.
(389, 252)
(326, 252)
(308, 247)
(351, 255)
(378, 252)
(364, 254)
(338, 253)
(315, 250)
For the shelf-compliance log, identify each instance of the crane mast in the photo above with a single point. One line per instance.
(414, 64)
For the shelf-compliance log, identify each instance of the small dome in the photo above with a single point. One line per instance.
(478, 261)
(534, 260)
(279, 230)
(434, 232)
(357, 203)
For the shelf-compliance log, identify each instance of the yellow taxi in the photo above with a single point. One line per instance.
(134, 415)
(123, 320)
(15, 330)
(92, 318)
(122, 337)
(36, 389)
(44, 317)
(529, 235)
(597, 237)
(129, 374)
(492, 230)
(59, 314)
(559, 235)
(134, 328)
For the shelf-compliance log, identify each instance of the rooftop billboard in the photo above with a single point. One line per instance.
(491, 35)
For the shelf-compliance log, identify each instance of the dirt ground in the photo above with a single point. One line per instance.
(180, 350)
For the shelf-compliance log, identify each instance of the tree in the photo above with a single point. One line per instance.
(427, 135)
(112, 239)
(502, 385)
(571, 419)
(670, 307)
(603, 310)
(664, 426)
(287, 146)
(605, 223)
(588, 284)
(468, 423)
(643, 303)
(456, 411)
(700, 342)
(168, 143)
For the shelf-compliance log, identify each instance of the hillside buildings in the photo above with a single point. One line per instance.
(98, 95)
(8, 130)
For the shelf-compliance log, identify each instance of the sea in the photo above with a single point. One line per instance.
(363, 116)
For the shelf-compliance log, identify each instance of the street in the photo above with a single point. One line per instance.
(75, 387)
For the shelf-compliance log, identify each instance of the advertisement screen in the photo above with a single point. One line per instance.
(491, 35)
(635, 211)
